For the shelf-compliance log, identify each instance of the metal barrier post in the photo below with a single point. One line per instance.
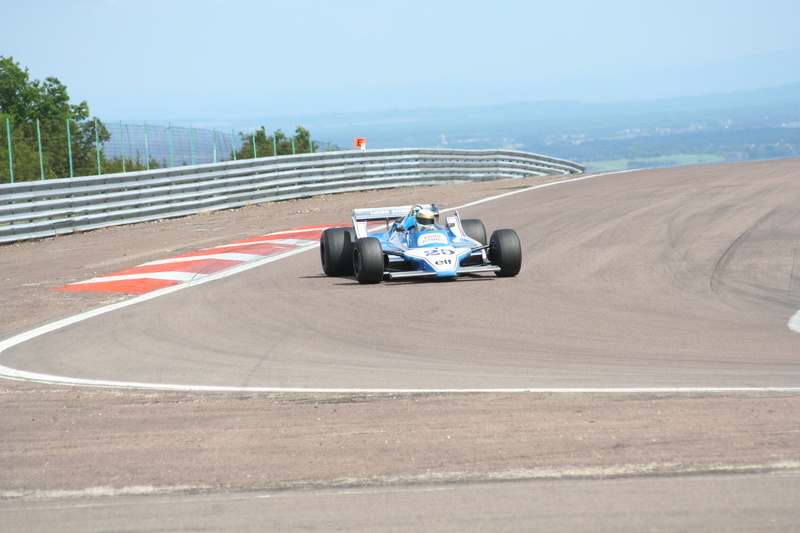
(191, 142)
(171, 152)
(122, 145)
(69, 149)
(146, 148)
(214, 140)
(10, 157)
(97, 146)
(39, 139)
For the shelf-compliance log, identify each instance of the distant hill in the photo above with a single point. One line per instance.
(738, 126)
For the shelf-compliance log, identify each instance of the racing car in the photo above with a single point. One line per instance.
(408, 241)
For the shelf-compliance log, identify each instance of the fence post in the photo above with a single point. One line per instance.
(39, 140)
(69, 150)
(146, 148)
(233, 144)
(255, 153)
(274, 145)
(122, 145)
(214, 135)
(10, 157)
(97, 147)
(171, 151)
(191, 142)
(293, 149)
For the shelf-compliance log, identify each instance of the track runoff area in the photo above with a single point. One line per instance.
(159, 278)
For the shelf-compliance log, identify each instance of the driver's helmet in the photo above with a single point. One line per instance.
(425, 220)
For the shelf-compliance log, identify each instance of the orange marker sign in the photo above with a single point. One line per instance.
(360, 142)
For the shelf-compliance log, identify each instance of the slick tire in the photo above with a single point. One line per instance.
(475, 230)
(368, 260)
(336, 251)
(505, 251)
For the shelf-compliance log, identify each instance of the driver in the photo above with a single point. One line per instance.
(425, 220)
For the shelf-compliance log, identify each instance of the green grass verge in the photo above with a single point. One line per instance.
(678, 160)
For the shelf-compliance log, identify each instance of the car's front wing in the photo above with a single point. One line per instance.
(398, 274)
(436, 262)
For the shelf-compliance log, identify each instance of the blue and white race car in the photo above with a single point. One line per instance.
(408, 241)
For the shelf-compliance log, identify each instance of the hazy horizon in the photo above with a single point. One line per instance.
(215, 59)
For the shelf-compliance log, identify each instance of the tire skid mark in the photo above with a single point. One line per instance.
(717, 283)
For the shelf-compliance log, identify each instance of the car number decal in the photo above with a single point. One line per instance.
(439, 251)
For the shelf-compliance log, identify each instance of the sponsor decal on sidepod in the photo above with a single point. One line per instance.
(431, 238)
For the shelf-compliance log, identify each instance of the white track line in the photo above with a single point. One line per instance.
(794, 322)
(166, 275)
(11, 373)
(542, 186)
(228, 256)
(21, 375)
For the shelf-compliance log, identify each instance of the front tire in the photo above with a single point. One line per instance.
(475, 230)
(505, 251)
(336, 251)
(368, 260)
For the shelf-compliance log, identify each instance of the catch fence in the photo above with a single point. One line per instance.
(65, 150)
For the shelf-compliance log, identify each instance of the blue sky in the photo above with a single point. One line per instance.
(229, 59)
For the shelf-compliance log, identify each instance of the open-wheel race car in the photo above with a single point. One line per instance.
(408, 241)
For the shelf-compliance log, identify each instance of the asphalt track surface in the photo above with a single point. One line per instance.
(627, 283)
(676, 281)
(716, 503)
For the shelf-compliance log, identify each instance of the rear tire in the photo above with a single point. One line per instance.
(336, 251)
(475, 230)
(368, 260)
(505, 251)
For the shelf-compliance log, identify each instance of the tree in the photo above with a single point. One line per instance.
(25, 100)
(255, 144)
(265, 146)
(303, 142)
(41, 116)
(42, 121)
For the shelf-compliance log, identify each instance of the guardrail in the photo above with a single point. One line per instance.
(37, 209)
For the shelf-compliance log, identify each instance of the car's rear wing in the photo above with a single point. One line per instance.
(362, 216)
(389, 213)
